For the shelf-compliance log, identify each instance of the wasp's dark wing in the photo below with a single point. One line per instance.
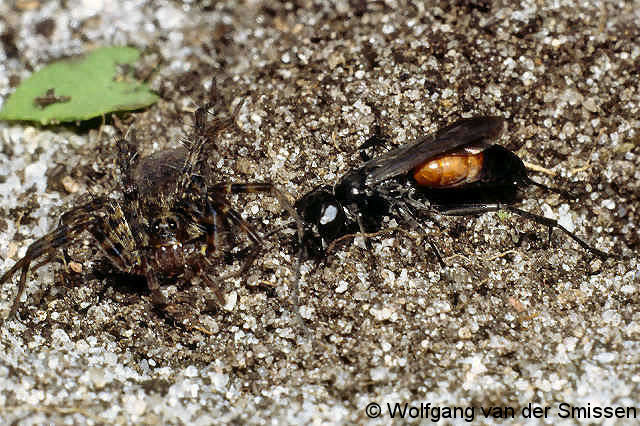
(457, 135)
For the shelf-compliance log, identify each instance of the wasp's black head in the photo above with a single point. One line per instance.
(324, 219)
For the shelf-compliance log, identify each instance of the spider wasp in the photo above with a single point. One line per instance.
(165, 220)
(455, 171)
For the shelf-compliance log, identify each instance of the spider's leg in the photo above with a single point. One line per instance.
(213, 222)
(194, 166)
(236, 188)
(127, 161)
(157, 297)
(218, 211)
(226, 211)
(234, 218)
(209, 223)
(195, 145)
(199, 264)
(60, 237)
(72, 224)
(264, 187)
(116, 238)
(117, 244)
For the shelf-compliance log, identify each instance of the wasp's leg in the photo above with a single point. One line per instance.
(409, 216)
(423, 210)
(419, 208)
(471, 209)
(369, 247)
(363, 231)
(377, 137)
(552, 223)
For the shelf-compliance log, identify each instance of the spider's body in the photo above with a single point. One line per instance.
(166, 221)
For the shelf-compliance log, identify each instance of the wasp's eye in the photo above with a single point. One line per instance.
(328, 214)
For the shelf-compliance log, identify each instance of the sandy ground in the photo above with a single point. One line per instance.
(510, 321)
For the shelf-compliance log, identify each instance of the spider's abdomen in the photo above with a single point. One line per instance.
(157, 173)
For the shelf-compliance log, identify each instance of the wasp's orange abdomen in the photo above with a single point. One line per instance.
(449, 170)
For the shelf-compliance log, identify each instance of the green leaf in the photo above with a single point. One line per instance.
(502, 215)
(80, 88)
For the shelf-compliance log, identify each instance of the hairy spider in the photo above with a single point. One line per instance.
(165, 220)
